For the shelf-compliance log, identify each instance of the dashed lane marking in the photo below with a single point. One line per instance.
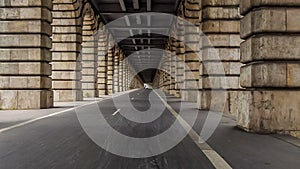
(116, 112)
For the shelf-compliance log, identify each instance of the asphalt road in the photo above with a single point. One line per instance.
(60, 142)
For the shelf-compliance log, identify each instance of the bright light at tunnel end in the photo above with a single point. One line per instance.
(105, 136)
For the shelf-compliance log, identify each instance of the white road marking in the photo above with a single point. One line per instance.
(116, 112)
(212, 155)
(54, 114)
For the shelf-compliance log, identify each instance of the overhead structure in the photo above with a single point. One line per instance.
(141, 31)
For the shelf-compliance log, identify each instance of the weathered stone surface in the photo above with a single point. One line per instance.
(75, 85)
(264, 75)
(189, 95)
(247, 5)
(223, 40)
(293, 17)
(221, 68)
(271, 75)
(28, 13)
(25, 54)
(63, 75)
(71, 66)
(25, 68)
(269, 111)
(264, 19)
(221, 13)
(66, 56)
(220, 54)
(66, 47)
(14, 3)
(25, 40)
(220, 3)
(25, 26)
(26, 82)
(268, 47)
(68, 95)
(219, 82)
(19, 99)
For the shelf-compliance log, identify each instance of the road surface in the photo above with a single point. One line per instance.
(59, 142)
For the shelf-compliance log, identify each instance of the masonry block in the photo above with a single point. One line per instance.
(19, 99)
(68, 95)
(269, 111)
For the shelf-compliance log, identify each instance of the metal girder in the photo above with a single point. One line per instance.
(149, 5)
(136, 4)
(122, 4)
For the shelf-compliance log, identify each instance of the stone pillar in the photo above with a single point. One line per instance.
(221, 26)
(180, 58)
(168, 67)
(165, 65)
(66, 47)
(173, 66)
(128, 76)
(116, 70)
(125, 75)
(161, 80)
(121, 72)
(192, 40)
(102, 63)
(271, 74)
(110, 67)
(25, 55)
(89, 62)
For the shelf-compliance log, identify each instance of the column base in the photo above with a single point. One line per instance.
(25, 99)
(227, 106)
(273, 111)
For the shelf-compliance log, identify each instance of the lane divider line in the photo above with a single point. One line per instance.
(217, 161)
(116, 112)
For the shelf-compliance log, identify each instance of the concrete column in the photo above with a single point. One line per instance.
(191, 75)
(102, 63)
(116, 70)
(66, 47)
(89, 57)
(25, 55)
(221, 25)
(110, 68)
(271, 74)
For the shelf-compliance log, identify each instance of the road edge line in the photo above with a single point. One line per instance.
(217, 161)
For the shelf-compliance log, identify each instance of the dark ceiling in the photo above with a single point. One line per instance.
(135, 30)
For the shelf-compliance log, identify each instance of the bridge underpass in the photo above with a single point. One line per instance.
(224, 76)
